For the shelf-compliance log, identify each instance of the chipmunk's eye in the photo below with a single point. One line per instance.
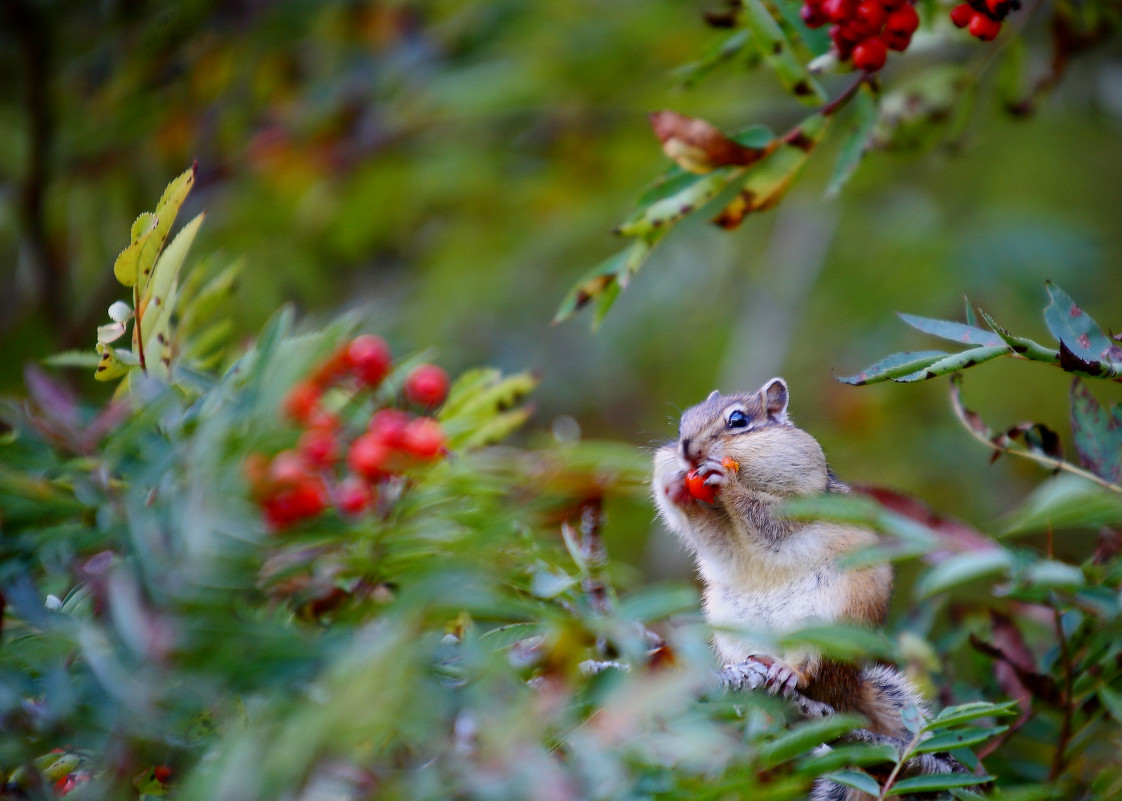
(737, 419)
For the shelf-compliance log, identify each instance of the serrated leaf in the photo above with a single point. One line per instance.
(486, 392)
(714, 57)
(490, 430)
(955, 332)
(766, 182)
(964, 713)
(864, 117)
(669, 210)
(1097, 435)
(956, 362)
(897, 364)
(126, 266)
(938, 781)
(950, 740)
(962, 569)
(776, 50)
(166, 210)
(859, 780)
(846, 756)
(1066, 501)
(153, 317)
(806, 736)
(1021, 345)
(1075, 328)
(603, 284)
(201, 304)
(698, 146)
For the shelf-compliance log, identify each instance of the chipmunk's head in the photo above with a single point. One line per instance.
(754, 430)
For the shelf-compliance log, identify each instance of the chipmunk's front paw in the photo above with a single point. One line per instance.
(782, 680)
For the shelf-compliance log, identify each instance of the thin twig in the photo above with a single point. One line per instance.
(1069, 706)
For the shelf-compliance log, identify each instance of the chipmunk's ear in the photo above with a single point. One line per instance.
(713, 394)
(775, 396)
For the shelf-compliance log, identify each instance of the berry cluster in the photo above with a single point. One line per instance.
(864, 30)
(330, 468)
(983, 17)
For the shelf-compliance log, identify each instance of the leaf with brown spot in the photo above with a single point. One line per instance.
(698, 147)
(775, 48)
(1097, 435)
(766, 182)
(1075, 328)
(892, 366)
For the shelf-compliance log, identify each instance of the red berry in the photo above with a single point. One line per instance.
(903, 20)
(334, 367)
(354, 495)
(307, 498)
(870, 54)
(368, 456)
(869, 17)
(389, 426)
(838, 10)
(427, 385)
(162, 773)
(302, 401)
(288, 467)
(984, 28)
(318, 446)
(424, 438)
(962, 14)
(998, 9)
(369, 358)
(896, 41)
(695, 483)
(814, 16)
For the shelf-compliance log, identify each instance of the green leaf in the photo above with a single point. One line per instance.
(950, 740)
(593, 284)
(776, 50)
(938, 781)
(690, 196)
(806, 736)
(723, 51)
(109, 364)
(166, 210)
(849, 643)
(845, 756)
(897, 364)
(964, 713)
(1051, 573)
(1021, 345)
(767, 181)
(153, 314)
(970, 319)
(754, 136)
(1112, 700)
(1066, 501)
(857, 779)
(1097, 435)
(126, 266)
(962, 569)
(73, 358)
(955, 332)
(864, 117)
(197, 307)
(1075, 328)
(658, 602)
(956, 362)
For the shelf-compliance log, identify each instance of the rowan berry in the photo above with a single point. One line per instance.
(368, 456)
(287, 468)
(369, 358)
(162, 774)
(695, 483)
(318, 446)
(868, 18)
(389, 425)
(838, 10)
(896, 41)
(984, 28)
(814, 16)
(302, 401)
(427, 385)
(903, 20)
(424, 438)
(870, 54)
(962, 14)
(354, 495)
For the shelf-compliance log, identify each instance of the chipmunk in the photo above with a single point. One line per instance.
(742, 458)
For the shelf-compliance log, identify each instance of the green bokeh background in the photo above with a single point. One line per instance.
(453, 167)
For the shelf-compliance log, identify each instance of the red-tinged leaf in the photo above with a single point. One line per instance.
(972, 420)
(1007, 639)
(1074, 363)
(956, 535)
(696, 146)
(1075, 328)
(1037, 437)
(1097, 435)
(54, 400)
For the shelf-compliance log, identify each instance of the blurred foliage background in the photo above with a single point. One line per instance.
(453, 166)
